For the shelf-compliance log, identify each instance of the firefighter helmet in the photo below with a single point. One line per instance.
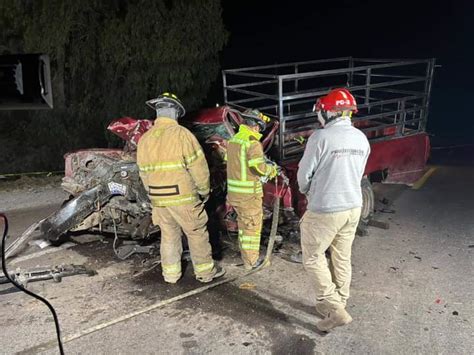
(167, 100)
(256, 116)
(339, 99)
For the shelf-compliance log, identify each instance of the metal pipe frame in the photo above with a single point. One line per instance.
(413, 95)
(281, 119)
(309, 93)
(375, 104)
(391, 76)
(366, 92)
(349, 70)
(252, 75)
(274, 81)
(388, 114)
(429, 83)
(254, 93)
(263, 67)
(246, 100)
(310, 114)
(397, 91)
(384, 60)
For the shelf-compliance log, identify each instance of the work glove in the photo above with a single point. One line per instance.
(274, 172)
(275, 169)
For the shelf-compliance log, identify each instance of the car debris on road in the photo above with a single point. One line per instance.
(55, 273)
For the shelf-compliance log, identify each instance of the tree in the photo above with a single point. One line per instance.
(107, 58)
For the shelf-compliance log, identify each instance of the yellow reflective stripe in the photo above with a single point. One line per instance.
(167, 166)
(240, 141)
(171, 165)
(249, 242)
(171, 269)
(250, 239)
(170, 94)
(254, 235)
(268, 170)
(256, 161)
(225, 156)
(202, 268)
(246, 187)
(241, 183)
(249, 247)
(260, 171)
(181, 200)
(189, 159)
(244, 190)
(244, 144)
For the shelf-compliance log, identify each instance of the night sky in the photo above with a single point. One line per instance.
(264, 32)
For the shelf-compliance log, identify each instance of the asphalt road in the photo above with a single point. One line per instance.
(411, 292)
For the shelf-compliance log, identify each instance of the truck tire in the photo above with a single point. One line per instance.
(368, 201)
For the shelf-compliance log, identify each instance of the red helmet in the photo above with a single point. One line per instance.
(336, 100)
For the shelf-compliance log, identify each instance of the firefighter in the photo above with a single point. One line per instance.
(246, 169)
(175, 173)
(329, 174)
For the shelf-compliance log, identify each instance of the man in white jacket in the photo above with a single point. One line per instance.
(330, 174)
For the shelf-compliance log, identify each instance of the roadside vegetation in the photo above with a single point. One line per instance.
(107, 58)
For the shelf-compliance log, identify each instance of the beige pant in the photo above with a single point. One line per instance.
(333, 231)
(192, 220)
(249, 220)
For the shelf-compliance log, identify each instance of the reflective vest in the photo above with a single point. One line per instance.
(246, 164)
(172, 164)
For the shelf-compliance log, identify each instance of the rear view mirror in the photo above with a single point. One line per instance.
(25, 82)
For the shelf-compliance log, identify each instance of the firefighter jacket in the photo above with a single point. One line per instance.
(172, 164)
(246, 165)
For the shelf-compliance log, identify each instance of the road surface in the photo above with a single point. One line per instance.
(411, 292)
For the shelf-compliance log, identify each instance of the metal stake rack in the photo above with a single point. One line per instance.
(393, 96)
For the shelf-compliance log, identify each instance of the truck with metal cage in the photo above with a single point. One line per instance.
(393, 99)
(107, 195)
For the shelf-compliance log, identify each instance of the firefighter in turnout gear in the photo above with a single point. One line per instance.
(175, 173)
(246, 169)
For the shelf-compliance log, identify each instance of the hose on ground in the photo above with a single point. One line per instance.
(21, 288)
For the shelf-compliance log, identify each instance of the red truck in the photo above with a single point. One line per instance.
(393, 102)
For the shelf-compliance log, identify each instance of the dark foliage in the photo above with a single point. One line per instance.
(108, 58)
